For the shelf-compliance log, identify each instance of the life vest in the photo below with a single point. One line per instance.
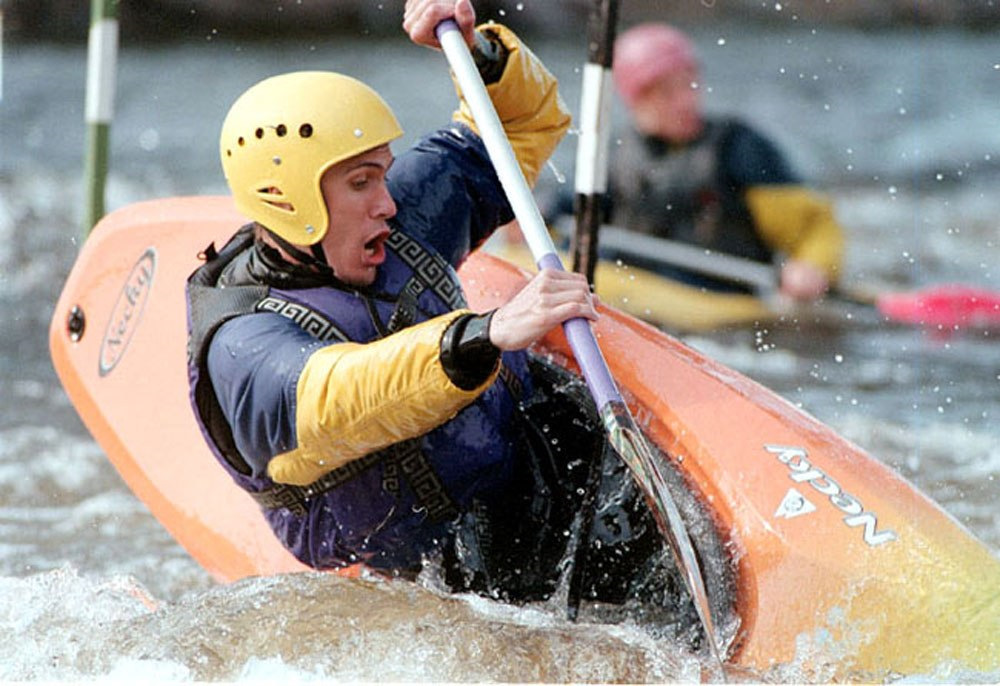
(390, 507)
(684, 194)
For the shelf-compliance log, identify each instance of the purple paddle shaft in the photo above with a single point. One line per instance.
(444, 27)
(585, 349)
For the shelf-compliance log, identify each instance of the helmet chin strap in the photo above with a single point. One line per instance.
(317, 259)
(320, 254)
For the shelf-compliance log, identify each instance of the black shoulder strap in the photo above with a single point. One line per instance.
(209, 308)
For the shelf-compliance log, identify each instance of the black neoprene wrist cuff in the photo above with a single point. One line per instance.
(490, 56)
(467, 355)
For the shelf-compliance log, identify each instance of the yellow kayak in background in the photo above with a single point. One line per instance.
(678, 307)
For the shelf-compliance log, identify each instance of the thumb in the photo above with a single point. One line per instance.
(465, 17)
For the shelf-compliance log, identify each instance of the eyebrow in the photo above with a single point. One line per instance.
(370, 163)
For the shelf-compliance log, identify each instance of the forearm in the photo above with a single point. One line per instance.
(353, 399)
(527, 101)
(800, 223)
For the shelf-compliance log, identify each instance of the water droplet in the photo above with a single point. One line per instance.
(149, 140)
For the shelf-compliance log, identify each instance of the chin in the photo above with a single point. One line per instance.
(361, 280)
(695, 128)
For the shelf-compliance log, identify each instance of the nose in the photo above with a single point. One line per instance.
(687, 98)
(386, 206)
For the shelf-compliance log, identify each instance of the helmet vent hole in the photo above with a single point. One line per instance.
(281, 130)
(259, 133)
(272, 195)
(306, 130)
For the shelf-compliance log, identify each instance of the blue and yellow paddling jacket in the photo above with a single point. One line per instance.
(329, 403)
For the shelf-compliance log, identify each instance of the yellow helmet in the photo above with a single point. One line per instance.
(282, 134)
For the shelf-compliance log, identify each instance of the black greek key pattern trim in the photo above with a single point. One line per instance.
(427, 487)
(311, 321)
(405, 457)
(511, 381)
(429, 267)
(295, 497)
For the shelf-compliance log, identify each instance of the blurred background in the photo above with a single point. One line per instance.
(172, 19)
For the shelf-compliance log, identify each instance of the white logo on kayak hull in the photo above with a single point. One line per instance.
(794, 504)
(800, 470)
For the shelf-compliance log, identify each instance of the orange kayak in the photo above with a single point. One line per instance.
(839, 562)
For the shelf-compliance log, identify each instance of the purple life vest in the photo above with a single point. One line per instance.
(390, 508)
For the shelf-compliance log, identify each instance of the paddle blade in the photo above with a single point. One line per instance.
(949, 306)
(631, 446)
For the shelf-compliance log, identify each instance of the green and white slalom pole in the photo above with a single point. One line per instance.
(591, 175)
(102, 62)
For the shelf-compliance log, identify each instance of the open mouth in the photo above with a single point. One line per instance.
(375, 247)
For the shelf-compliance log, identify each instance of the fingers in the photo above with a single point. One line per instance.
(566, 294)
(421, 17)
(548, 300)
(465, 17)
(802, 280)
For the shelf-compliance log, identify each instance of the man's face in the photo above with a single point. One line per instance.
(359, 205)
(670, 108)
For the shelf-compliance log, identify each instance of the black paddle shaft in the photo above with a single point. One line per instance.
(588, 203)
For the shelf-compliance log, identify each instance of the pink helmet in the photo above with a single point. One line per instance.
(646, 53)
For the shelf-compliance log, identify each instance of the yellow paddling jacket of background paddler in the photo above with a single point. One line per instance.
(343, 422)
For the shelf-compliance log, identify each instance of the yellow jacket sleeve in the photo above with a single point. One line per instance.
(527, 101)
(799, 222)
(355, 398)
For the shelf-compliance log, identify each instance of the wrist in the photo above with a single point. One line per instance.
(490, 55)
(467, 354)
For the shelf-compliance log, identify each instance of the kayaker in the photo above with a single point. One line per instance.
(338, 374)
(711, 181)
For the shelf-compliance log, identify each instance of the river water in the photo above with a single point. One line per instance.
(900, 127)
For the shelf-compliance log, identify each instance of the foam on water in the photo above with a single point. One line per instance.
(60, 625)
(48, 620)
